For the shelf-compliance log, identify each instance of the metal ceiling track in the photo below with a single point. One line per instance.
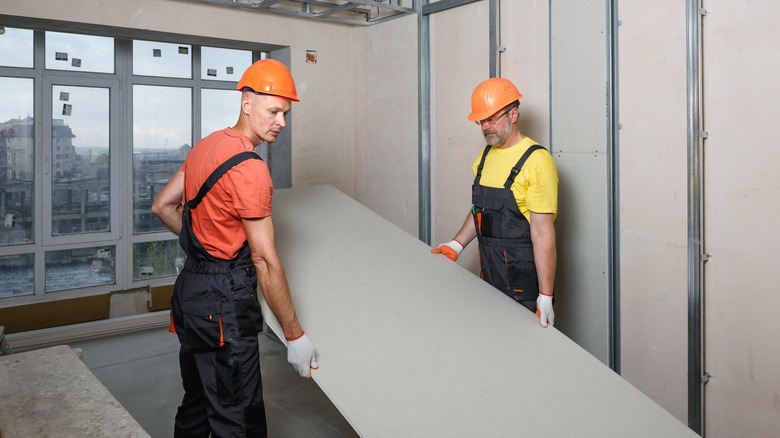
(358, 12)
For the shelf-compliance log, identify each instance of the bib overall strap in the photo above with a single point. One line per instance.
(481, 164)
(515, 170)
(217, 174)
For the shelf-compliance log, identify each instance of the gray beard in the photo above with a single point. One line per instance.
(496, 141)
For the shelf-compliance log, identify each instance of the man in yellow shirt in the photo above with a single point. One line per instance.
(515, 200)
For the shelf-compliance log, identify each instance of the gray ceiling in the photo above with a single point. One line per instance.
(357, 12)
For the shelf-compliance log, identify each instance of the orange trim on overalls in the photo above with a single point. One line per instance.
(506, 263)
(221, 339)
(172, 328)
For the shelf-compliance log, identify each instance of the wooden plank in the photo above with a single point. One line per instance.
(413, 345)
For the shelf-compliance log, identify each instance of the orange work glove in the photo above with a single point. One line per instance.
(451, 249)
(544, 309)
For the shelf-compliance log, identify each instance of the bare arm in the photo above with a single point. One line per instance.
(543, 238)
(467, 232)
(167, 205)
(270, 272)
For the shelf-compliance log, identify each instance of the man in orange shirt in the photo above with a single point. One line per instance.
(219, 203)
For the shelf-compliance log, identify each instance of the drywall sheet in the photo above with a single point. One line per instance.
(413, 345)
(578, 117)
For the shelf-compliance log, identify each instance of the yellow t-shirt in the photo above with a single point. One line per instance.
(536, 186)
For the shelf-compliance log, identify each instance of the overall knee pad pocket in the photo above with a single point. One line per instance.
(228, 370)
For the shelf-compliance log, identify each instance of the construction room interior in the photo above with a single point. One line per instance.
(634, 100)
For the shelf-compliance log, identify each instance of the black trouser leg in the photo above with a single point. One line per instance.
(230, 389)
(192, 416)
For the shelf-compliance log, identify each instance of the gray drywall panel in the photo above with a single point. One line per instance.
(579, 144)
(581, 305)
(578, 75)
(411, 344)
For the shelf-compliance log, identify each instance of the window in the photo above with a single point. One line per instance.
(162, 137)
(162, 59)
(17, 163)
(75, 197)
(224, 64)
(16, 48)
(219, 110)
(67, 51)
(157, 259)
(80, 178)
(80, 267)
(16, 274)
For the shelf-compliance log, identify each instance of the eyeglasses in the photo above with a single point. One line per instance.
(494, 119)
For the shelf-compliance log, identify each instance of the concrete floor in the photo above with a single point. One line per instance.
(141, 369)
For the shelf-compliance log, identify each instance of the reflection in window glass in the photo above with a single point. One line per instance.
(219, 110)
(16, 48)
(82, 267)
(162, 137)
(162, 59)
(68, 51)
(224, 64)
(17, 161)
(157, 259)
(80, 157)
(16, 275)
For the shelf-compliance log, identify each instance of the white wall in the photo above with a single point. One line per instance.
(385, 120)
(653, 226)
(741, 218)
(741, 189)
(459, 61)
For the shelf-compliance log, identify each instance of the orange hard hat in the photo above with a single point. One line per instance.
(490, 96)
(269, 76)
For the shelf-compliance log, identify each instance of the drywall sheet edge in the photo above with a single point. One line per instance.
(413, 345)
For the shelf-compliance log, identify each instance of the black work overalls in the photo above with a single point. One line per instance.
(506, 254)
(216, 314)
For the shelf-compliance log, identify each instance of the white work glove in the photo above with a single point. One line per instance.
(451, 249)
(301, 355)
(544, 309)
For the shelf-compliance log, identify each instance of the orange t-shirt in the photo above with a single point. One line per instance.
(244, 192)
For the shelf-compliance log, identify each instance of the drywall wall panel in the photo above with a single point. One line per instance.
(653, 201)
(578, 76)
(581, 307)
(385, 138)
(322, 120)
(741, 210)
(578, 98)
(524, 35)
(413, 345)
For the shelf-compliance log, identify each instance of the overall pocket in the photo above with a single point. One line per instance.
(249, 316)
(523, 283)
(202, 321)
